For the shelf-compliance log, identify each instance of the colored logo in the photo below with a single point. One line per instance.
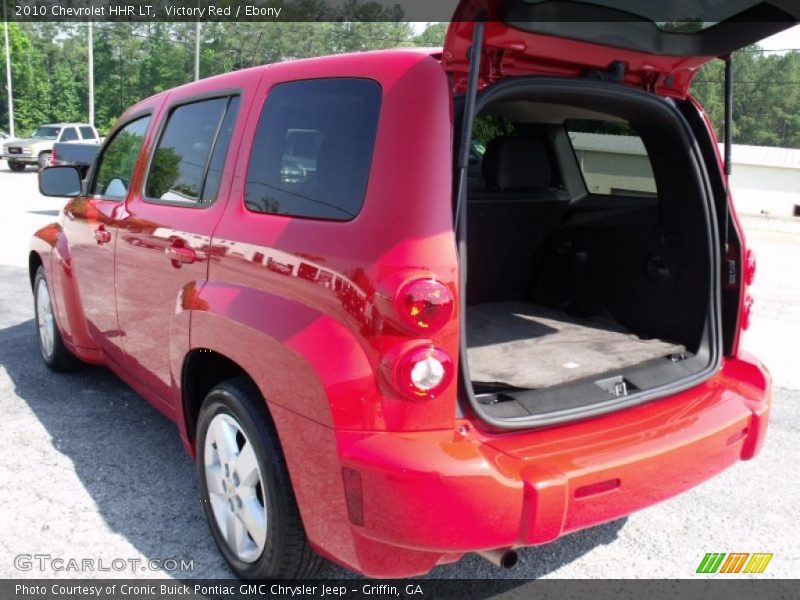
(734, 562)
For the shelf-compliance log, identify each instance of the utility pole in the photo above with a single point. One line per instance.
(197, 50)
(8, 73)
(90, 51)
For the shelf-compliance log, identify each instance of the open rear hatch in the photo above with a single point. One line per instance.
(659, 45)
(582, 299)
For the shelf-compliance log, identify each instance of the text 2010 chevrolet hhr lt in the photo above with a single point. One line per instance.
(405, 305)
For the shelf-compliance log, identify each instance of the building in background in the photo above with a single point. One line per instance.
(766, 180)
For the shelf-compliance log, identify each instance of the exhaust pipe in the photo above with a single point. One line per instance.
(505, 558)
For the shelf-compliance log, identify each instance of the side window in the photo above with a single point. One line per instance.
(87, 133)
(183, 155)
(115, 165)
(220, 153)
(70, 134)
(313, 148)
(612, 158)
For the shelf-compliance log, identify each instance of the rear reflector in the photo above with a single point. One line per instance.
(353, 496)
(595, 489)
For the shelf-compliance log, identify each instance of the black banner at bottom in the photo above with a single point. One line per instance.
(231, 589)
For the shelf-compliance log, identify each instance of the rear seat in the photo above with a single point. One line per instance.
(510, 219)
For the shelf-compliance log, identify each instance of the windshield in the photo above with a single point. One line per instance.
(49, 133)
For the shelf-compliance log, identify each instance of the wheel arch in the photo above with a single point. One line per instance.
(34, 262)
(202, 370)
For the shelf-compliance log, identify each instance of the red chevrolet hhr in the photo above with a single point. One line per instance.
(406, 305)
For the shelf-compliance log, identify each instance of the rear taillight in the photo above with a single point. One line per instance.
(747, 308)
(53, 158)
(424, 305)
(423, 372)
(749, 278)
(750, 268)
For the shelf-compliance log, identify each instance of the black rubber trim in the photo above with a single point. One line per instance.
(561, 91)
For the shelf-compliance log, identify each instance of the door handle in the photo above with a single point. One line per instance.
(180, 255)
(102, 236)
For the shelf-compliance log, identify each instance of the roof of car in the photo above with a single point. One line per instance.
(332, 62)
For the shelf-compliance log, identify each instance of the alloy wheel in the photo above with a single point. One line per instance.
(235, 486)
(45, 320)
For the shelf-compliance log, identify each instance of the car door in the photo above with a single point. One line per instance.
(90, 228)
(165, 236)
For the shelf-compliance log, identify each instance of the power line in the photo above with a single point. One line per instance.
(759, 49)
(785, 82)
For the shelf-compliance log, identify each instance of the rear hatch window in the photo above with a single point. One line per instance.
(676, 28)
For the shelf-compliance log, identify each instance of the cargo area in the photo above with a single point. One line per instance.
(589, 257)
(529, 346)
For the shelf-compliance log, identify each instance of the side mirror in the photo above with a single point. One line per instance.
(61, 181)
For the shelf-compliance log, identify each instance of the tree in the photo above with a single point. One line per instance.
(135, 60)
(432, 36)
(766, 106)
(31, 92)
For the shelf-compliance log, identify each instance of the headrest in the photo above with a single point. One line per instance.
(516, 163)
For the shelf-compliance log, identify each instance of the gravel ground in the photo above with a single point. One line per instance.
(91, 470)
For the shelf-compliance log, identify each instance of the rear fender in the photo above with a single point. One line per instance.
(287, 348)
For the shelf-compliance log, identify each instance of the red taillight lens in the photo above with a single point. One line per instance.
(750, 268)
(425, 305)
(423, 373)
(747, 308)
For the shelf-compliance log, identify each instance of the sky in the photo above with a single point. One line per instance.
(786, 40)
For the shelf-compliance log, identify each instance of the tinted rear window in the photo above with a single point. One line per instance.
(87, 133)
(313, 149)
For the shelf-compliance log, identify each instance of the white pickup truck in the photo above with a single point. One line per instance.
(37, 150)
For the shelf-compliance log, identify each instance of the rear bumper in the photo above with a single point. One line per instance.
(429, 497)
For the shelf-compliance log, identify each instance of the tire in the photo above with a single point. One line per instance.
(273, 543)
(45, 158)
(51, 347)
(15, 166)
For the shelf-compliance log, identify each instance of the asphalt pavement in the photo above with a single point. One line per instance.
(91, 471)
